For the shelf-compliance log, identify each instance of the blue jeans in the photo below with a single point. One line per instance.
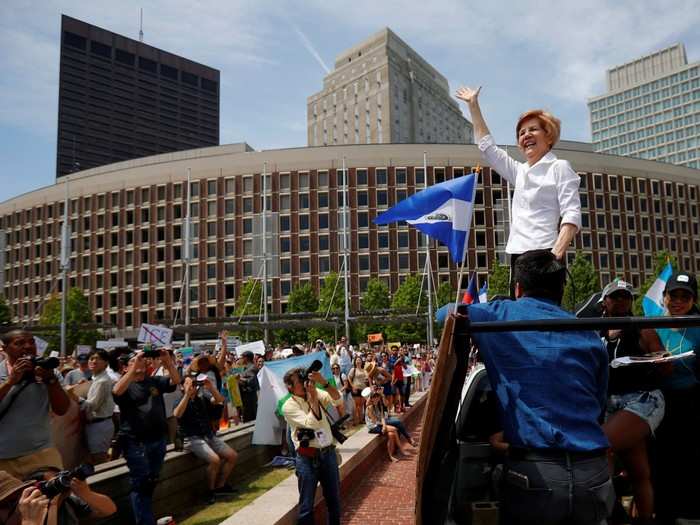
(144, 460)
(323, 468)
(395, 422)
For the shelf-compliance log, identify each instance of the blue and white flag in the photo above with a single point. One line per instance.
(442, 211)
(484, 293)
(653, 301)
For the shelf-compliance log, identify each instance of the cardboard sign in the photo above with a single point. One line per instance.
(156, 335)
(83, 349)
(41, 345)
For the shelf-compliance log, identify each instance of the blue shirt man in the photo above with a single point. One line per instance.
(551, 389)
(551, 386)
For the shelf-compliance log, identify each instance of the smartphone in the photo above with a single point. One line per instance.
(518, 479)
(151, 353)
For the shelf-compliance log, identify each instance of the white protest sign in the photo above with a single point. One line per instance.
(112, 343)
(155, 335)
(257, 347)
(232, 342)
(83, 349)
(41, 345)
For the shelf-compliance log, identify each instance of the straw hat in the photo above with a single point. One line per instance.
(370, 368)
(9, 485)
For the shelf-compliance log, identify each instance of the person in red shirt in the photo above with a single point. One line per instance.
(397, 384)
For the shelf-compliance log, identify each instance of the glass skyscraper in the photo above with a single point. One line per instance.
(651, 110)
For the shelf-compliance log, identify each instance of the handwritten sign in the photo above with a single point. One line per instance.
(112, 343)
(155, 334)
(257, 347)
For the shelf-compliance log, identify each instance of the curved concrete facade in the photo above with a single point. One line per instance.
(127, 219)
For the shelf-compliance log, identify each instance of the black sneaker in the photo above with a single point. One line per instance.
(226, 488)
(210, 497)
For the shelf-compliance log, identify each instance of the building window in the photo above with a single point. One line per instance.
(380, 174)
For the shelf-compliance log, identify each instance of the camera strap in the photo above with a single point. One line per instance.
(15, 395)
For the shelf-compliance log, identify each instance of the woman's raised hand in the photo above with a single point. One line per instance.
(468, 95)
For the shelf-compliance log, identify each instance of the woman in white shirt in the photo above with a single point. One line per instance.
(546, 208)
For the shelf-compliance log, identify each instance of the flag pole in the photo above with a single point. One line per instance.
(345, 251)
(428, 267)
(187, 252)
(65, 265)
(476, 171)
(264, 250)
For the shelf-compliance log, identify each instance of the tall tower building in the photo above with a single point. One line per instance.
(651, 110)
(121, 99)
(381, 91)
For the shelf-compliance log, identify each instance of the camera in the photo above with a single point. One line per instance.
(47, 363)
(315, 366)
(60, 483)
(304, 435)
(151, 353)
(335, 429)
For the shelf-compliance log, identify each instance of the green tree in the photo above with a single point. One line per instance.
(331, 302)
(249, 303)
(5, 311)
(585, 281)
(375, 299)
(660, 260)
(302, 299)
(445, 294)
(78, 314)
(499, 279)
(405, 300)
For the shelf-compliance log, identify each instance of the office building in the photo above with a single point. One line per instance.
(382, 92)
(121, 99)
(651, 110)
(127, 225)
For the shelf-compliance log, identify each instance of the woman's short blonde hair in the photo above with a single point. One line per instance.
(550, 124)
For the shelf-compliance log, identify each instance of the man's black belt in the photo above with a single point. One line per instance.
(536, 454)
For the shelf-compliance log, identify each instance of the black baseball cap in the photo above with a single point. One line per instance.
(682, 281)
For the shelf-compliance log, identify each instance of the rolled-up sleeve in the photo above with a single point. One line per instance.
(300, 418)
(568, 183)
(498, 159)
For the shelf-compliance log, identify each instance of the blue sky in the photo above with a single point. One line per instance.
(550, 54)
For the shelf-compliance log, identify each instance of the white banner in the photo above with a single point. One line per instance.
(83, 349)
(112, 343)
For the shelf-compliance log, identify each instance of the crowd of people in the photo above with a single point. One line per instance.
(133, 402)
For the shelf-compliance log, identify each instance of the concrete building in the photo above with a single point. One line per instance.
(651, 110)
(127, 224)
(380, 92)
(121, 99)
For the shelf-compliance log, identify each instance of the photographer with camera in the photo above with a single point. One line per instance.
(313, 435)
(193, 416)
(143, 428)
(71, 496)
(29, 388)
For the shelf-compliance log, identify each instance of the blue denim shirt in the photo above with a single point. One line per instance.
(551, 386)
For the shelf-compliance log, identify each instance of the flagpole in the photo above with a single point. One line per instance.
(345, 250)
(187, 256)
(65, 264)
(476, 171)
(428, 267)
(264, 250)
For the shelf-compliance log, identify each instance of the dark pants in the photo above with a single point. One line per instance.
(144, 460)
(396, 423)
(513, 258)
(676, 457)
(310, 471)
(250, 405)
(559, 491)
(406, 390)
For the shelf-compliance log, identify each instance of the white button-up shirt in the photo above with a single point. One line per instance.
(544, 193)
